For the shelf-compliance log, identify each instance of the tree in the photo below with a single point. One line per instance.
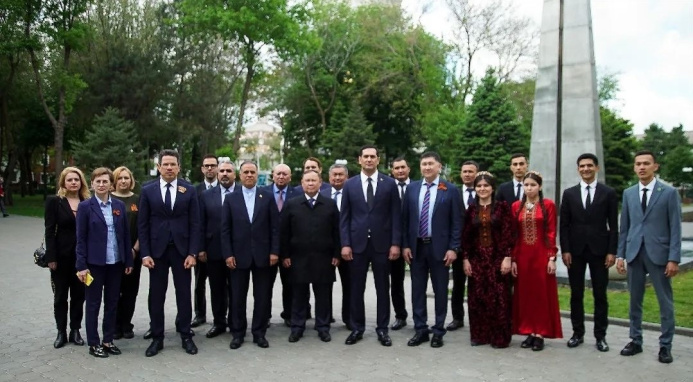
(349, 131)
(619, 147)
(492, 133)
(111, 142)
(663, 143)
(59, 24)
(676, 160)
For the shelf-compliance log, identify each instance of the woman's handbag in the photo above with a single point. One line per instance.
(40, 256)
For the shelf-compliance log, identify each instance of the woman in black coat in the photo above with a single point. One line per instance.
(61, 239)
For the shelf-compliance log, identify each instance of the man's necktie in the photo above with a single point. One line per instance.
(336, 194)
(167, 198)
(369, 193)
(210, 186)
(280, 200)
(588, 199)
(402, 185)
(423, 219)
(470, 198)
(225, 193)
(643, 202)
(519, 188)
(311, 202)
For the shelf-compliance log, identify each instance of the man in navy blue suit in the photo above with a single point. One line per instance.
(211, 201)
(169, 231)
(313, 164)
(282, 191)
(250, 245)
(370, 233)
(432, 216)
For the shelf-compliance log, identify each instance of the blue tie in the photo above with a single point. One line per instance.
(311, 202)
(167, 198)
(423, 219)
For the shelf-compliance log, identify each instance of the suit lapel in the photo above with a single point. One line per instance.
(440, 195)
(258, 200)
(656, 192)
(415, 188)
(180, 190)
(96, 209)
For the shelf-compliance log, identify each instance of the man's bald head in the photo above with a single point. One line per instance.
(281, 175)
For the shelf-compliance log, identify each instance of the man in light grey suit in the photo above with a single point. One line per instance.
(650, 241)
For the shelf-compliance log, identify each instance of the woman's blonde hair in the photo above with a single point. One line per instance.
(83, 188)
(116, 174)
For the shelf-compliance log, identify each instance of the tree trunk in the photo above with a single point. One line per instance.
(250, 73)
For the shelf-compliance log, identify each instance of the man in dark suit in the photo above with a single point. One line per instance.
(467, 174)
(282, 191)
(169, 232)
(650, 241)
(400, 171)
(370, 228)
(432, 218)
(211, 202)
(313, 164)
(310, 250)
(209, 170)
(250, 245)
(338, 175)
(589, 235)
(512, 190)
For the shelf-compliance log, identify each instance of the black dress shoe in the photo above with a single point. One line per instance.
(354, 337)
(215, 331)
(60, 340)
(665, 355)
(294, 337)
(261, 342)
(324, 336)
(118, 335)
(475, 343)
(384, 339)
(76, 338)
(418, 339)
(399, 324)
(332, 320)
(197, 321)
(631, 349)
(148, 334)
(98, 351)
(455, 324)
(236, 342)
(154, 348)
(349, 327)
(437, 341)
(128, 334)
(575, 341)
(602, 346)
(501, 346)
(528, 342)
(111, 349)
(287, 322)
(189, 346)
(538, 344)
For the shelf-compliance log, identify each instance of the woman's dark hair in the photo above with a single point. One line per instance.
(537, 178)
(491, 180)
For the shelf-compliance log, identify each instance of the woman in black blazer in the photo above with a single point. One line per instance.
(104, 253)
(61, 239)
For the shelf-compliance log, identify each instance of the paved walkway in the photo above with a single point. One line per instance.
(27, 354)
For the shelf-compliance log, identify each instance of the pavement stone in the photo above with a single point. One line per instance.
(28, 331)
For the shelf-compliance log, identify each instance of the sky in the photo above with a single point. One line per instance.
(648, 44)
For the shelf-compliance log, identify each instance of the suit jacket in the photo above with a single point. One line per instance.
(202, 187)
(327, 192)
(446, 222)
(595, 228)
(383, 220)
(310, 238)
(61, 229)
(289, 193)
(156, 223)
(658, 228)
(92, 234)
(210, 221)
(506, 192)
(250, 242)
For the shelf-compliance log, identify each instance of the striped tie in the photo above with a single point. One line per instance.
(423, 219)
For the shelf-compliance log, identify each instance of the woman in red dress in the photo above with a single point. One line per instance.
(535, 302)
(486, 249)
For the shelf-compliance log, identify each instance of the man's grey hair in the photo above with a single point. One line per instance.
(337, 165)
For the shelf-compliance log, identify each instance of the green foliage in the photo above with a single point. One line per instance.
(619, 147)
(671, 150)
(676, 160)
(492, 133)
(111, 142)
(348, 132)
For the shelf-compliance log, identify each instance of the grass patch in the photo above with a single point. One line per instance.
(27, 206)
(619, 301)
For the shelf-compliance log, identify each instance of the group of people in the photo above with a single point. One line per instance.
(500, 240)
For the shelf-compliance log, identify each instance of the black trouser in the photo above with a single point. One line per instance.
(379, 263)
(262, 302)
(344, 269)
(65, 283)
(300, 306)
(106, 284)
(200, 298)
(287, 290)
(129, 288)
(158, 284)
(220, 291)
(397, 272)
(457, 298)
(600, 280)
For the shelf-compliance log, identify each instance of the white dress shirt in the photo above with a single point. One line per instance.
(584, 191)
(174, 190)
(364, 183)
(650, 188)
